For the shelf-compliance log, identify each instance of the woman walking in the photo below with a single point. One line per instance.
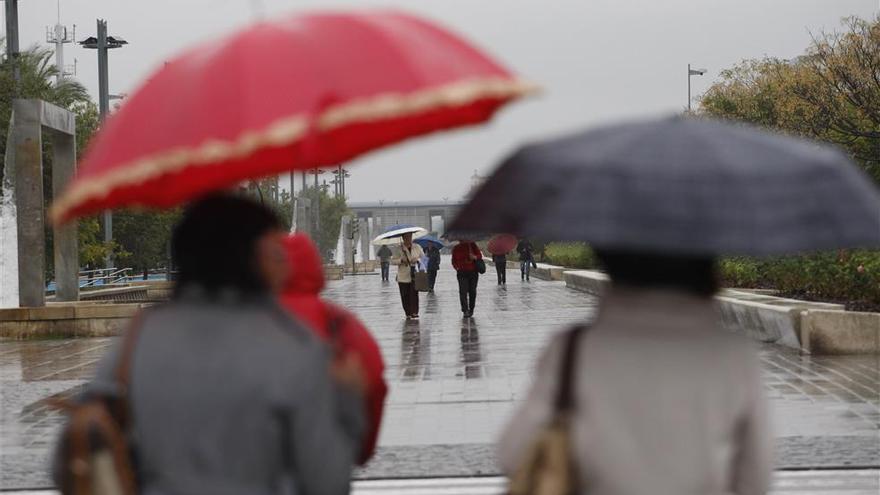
(410, 253)
(465, 257)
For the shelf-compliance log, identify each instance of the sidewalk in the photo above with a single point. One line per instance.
(453, 383)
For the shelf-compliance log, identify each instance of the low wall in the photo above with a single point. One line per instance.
(85, 319)
(333, 272)
(840, 332)
(543, 272)
(812, 327)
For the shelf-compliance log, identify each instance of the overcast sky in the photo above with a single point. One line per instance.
(598, 61)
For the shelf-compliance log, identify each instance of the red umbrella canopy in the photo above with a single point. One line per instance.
(304, 92)
(501, 244)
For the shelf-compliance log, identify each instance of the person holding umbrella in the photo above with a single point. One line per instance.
(654, 396)
(467, 259)
(410, 254)
(221, 370)
(433, 265)
(499, 245)
(432, 247)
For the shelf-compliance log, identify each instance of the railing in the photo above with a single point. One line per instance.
(104, 277)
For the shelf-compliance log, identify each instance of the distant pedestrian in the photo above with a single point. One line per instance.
(526, 252)
(433, 265)
(410, 253)
(228, 393)
(500, 261)
(384, 255)
(465, 257)
(662, 400)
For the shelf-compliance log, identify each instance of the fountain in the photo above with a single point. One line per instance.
(8, 240)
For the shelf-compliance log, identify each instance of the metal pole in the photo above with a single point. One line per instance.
(12, 42)
(317, 208)
(689, 88)
(104, 108)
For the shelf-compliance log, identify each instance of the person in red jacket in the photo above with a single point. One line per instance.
(335, 325)
(464, 260)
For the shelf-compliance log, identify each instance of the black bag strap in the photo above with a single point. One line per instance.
(565, 394)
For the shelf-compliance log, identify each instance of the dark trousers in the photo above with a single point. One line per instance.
(432, 278)
(384, 266)
(467, 290)
(409, 297)
(501, 270)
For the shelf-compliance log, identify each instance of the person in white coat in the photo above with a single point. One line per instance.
(665, 401)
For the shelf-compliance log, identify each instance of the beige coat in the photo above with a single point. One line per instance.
(667, 402)
(408, 257)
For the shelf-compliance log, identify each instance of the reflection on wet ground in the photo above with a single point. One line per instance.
(454, 381)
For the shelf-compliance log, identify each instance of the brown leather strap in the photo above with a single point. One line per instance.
(123, 368)
(565, 394)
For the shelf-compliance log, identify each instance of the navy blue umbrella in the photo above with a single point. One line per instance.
(430, 240)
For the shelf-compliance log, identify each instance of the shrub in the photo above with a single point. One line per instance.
(851, 277)
(570, 254)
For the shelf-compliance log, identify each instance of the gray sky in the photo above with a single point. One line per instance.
(598, 61)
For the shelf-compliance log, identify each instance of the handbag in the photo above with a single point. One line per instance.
(94, 457)
(420, 281)
(549, 466)
(480, 264)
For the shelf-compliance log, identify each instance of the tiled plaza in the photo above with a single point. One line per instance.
(453, 382)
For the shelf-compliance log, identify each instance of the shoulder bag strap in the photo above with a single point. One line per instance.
(565, 394)
(123, 368)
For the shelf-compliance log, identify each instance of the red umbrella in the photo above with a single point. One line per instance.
(304, 92)
(501, 244)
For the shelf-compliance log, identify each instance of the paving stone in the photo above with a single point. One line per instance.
(454, 382)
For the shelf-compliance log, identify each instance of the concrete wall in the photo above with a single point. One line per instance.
(67, 320)
(811, 327)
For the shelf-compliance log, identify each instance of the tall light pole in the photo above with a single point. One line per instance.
(692, 72)
(103, 43)
(12, 42)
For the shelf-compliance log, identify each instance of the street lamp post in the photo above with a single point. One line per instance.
(12, 43)
(692, 72)
(103, 43)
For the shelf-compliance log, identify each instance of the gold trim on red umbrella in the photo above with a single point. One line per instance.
(287, 131)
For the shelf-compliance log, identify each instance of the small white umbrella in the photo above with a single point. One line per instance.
(392, 235)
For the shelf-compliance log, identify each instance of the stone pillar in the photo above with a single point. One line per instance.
(28, 184)
(365, 239)
(65, 242)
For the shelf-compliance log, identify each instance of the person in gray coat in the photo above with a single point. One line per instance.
(229, 394)
(666, 401)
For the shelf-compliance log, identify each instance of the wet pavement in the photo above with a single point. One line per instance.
(453, 382)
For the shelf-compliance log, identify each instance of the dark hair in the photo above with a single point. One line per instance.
(213, 246)
(694, 274)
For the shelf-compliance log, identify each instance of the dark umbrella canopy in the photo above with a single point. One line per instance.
(680, 185)
(429, 241)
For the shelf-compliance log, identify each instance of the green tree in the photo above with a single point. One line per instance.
(144, 238)
(831, 93)
(332, 209)
(37, 80)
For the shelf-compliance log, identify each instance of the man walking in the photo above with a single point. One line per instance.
(433, 266)
(384, 255)
(526, 257)
(464, 260)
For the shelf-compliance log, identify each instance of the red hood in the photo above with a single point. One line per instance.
(306, 268)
